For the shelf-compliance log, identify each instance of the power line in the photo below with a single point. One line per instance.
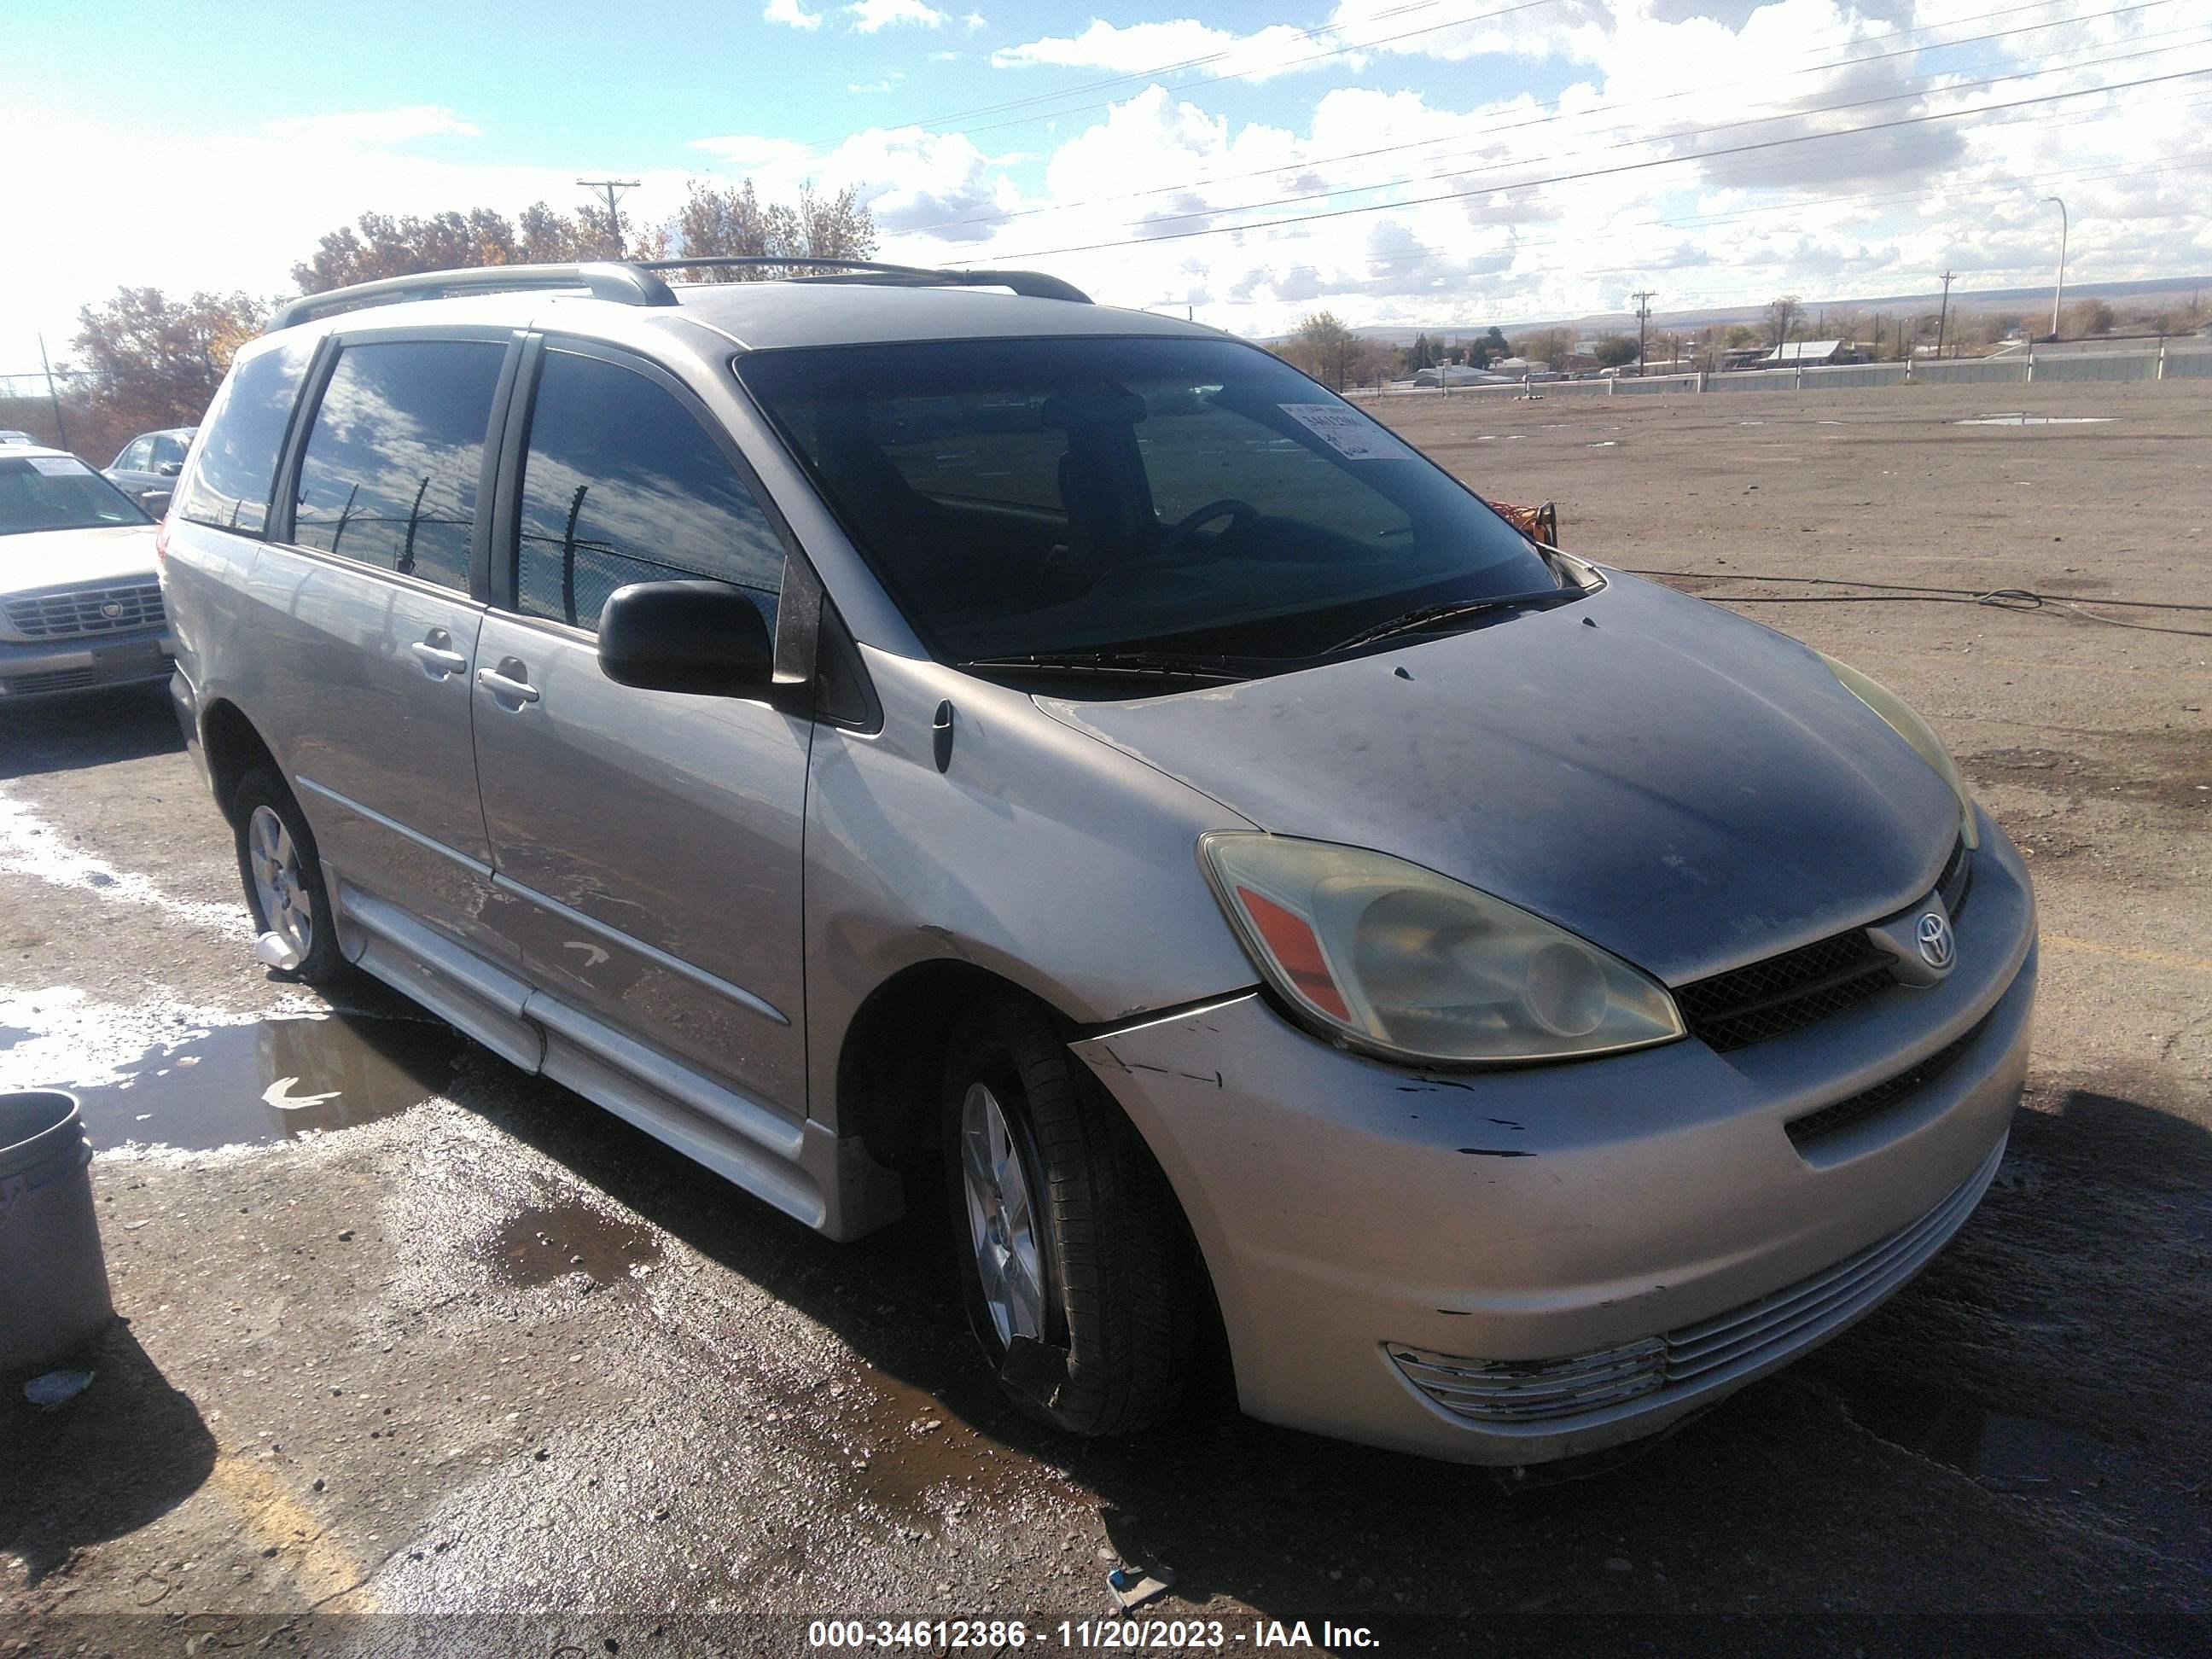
(1618, 168)
(1700, 91)
(1655, 138)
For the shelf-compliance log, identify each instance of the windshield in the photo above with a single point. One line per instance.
(58, 492)
(1035, 496)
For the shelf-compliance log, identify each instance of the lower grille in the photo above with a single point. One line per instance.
(1865, 1104)
(1800, 987)
(75, 612)
(1696, 1357)
(60, 679)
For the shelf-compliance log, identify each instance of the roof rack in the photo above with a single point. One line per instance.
(1032, 284)
(627, 284)
(634, 283)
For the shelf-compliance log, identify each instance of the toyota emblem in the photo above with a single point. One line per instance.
(112, 608)
(1936, 946)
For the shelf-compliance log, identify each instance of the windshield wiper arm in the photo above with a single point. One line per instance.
(1150, 664)
(1430, 615)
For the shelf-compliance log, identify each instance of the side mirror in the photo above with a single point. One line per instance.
(170, 469)
(156, 503)
(708, 638)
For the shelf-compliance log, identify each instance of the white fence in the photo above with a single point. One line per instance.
(2181, 362)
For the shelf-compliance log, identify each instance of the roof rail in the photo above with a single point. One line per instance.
(626, 284)
(1033, 284)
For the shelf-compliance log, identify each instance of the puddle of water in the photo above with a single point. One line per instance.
(272, 1080)
(12, 1035)
(911, 1454)
(2039, 420)
(542, 1243)
(1604, 443)
(2010, 1453)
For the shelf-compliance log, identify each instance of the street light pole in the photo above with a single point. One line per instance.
(2058, 294)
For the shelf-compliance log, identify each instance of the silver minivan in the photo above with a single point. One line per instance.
(866, 725)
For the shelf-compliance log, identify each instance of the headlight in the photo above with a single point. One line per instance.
(1402, 962)
(1903, 719)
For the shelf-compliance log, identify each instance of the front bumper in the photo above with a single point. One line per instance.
(54, 668)
(1347, 1209)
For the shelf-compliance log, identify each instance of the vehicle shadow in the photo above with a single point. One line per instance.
(1780, 1499)
(63, 734)
(126, 1451)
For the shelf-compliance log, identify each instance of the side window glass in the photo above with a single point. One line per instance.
(390, 474)
(233, 462)
(621, 485)
(168, 449)
(134, 456)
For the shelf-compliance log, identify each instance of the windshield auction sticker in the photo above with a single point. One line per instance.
(1349, 434)
(56, 466)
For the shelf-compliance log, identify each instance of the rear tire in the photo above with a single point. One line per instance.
(283, 878)
(1070, 1250)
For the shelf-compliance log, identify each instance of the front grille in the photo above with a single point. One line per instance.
(59, 679)
(1699, 1357)
(1784, 994)
(73, 613)
(1800, 987)
(1868, 1101)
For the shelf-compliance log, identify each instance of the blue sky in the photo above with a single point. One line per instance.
(1435, 135)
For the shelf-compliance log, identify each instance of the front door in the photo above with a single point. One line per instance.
(370, 630)
(647, 844)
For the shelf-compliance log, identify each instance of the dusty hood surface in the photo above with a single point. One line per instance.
(1676, 783)
(39, 559)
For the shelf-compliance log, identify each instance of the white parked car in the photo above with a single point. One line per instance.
(80, 592)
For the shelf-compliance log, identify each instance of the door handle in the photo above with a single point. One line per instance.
(438, 661)
(501, 686)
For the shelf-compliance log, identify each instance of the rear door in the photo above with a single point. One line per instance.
(647, 844)
(365, 595)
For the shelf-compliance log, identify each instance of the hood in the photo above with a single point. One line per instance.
(1681, 785)
(39, 559)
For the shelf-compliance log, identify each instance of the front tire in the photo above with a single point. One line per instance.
(283, 879)
(1070, 1250)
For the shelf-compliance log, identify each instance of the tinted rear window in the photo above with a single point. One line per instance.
(234, 460)
(391, 468)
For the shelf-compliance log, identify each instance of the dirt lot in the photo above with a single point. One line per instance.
(483, 1350)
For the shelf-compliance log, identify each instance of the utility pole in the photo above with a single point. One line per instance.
(1642, 323)
(611, 189)
(53, 397)
(1943, 316)
(2058, 292)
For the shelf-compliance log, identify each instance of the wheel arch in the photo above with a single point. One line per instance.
(233, 747)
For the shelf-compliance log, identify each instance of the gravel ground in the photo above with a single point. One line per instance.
(443, 1339)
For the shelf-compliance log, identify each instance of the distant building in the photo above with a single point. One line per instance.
(1806, 354)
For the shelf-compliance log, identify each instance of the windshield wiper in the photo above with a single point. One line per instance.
(1150, 664)
(1432, 616)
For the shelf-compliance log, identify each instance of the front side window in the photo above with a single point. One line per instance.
(1188, 495)
(234, 462)
(623, 485)
(392, 467)
(169, 451)
(136, 455)
(58, 492)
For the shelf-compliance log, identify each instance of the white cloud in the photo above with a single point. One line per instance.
(871, 15)
(791, 15)
(375, 127)
(1146, 48)
(866, 86)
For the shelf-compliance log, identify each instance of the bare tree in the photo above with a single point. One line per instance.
(730, 220)
(1783, 315)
